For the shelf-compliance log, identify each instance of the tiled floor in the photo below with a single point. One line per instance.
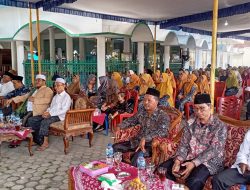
(48, 169)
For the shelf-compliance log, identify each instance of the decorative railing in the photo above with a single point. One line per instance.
(175, 67)
(69, 68)
(121, 66)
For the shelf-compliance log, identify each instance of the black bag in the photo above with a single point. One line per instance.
(231, 91)
(7, 111)
(248, 107)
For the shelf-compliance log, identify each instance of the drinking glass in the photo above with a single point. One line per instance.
(8, 118)
(150, 171)
(118, 159)
(162, 173)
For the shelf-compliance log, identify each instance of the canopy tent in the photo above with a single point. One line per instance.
(192, 16)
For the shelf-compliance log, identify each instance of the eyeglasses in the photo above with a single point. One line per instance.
(201, 109)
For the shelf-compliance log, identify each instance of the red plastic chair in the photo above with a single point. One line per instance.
(187, 109)
(229, 106)
(243, 90)
(246, 94)
(119, 118)
(174, 94)
(219, 91)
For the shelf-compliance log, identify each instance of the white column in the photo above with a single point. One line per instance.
(52, 44)
(20, 58)
(126, 45)
(42, 47)
(198, 59)
(82, 48)
(101, 64)
(69, 48)
(166, 57)
(209, 58)
(13, 55)
(140, 56)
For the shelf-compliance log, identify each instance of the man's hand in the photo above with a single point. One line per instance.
(117, 132)
(176, 168)
(103, 108)
(141, 145)
(180, 97)
(31, 99)
(189, 167)
(8, 102)
(46, 115)
(243, 167)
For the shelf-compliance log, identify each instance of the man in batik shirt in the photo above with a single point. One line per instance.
(200, 153)
(13, 96)
(154, 122)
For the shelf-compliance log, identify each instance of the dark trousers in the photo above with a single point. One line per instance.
(127, 147)
(195, 181)
(228, 178)
(26, 117)
(40, 126)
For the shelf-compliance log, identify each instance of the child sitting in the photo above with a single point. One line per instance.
(122, 106)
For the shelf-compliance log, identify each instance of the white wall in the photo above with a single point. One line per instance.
(246, 57)
(237, 60)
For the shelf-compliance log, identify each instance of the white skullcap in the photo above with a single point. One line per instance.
(61, 80)
(131, 72)
(41, 77)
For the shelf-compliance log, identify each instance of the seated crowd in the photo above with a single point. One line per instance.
(200, 153)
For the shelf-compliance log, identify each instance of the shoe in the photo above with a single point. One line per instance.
(98, 127)
(13, 145)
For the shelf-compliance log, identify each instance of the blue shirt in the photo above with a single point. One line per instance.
(17, 92)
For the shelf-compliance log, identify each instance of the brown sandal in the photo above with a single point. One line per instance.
(42, 148)
(33, 144)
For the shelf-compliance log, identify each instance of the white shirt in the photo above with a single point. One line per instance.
(60, 105)
(243, 155)
(6, 88)
(30, 104)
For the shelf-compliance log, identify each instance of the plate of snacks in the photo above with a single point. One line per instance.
(94, 168)
(134, 184)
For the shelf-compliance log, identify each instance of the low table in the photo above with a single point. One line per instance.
(79, 180)
(8, 135)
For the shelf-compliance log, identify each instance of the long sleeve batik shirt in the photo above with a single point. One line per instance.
(17, 92)
(204, 144)
(154, 125)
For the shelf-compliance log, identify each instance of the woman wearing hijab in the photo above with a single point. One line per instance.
(134, 82)
(102, 90)
(166, 90)
(157, 77)
(108, 96)
(90, 88)
(74, 87)
(107, 92)
(245, 75)
(172, 79)
(146, 82)
(187, 93)
(232, 84)
(182, 79)
(203, 85)
(117, 77)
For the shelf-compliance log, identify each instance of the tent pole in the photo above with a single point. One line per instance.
(38, 41)
(214, 54)
(155, 49)
(31, 47)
